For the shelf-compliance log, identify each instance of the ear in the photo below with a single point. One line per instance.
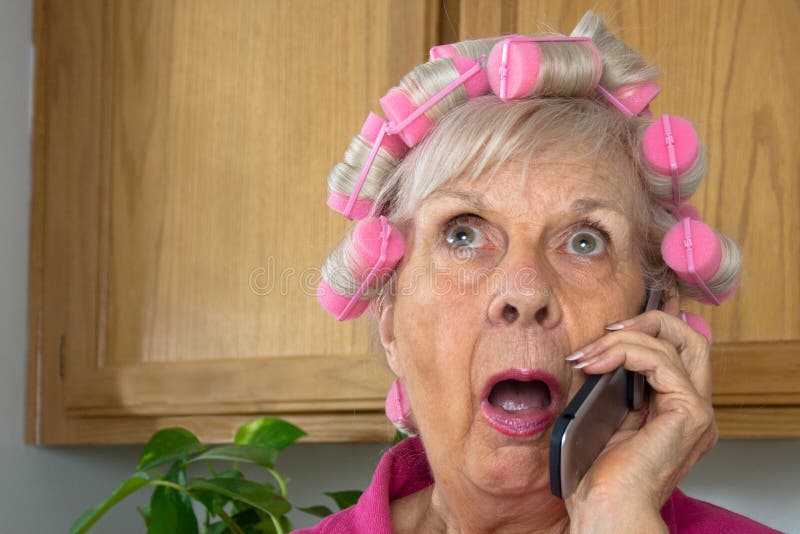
(386, 331)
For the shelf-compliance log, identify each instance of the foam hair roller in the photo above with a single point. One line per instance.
(687, 210)
(637, 96)
(694, 252)
(474, 48)
(338, 202)
(376, 248)
(671, 149)
(398, 409)
(632, 99)
(392, 144)
(706, 247)
(410, 121)
(697, 323)
(440, 51)
(514, 65)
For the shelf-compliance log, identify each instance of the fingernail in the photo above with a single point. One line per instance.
(615, 326)
(581, 365)
(575, 356)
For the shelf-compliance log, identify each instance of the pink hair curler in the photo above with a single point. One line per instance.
(632, 99)
(398, 409)
(694, 252)
(444, 50)
(374, 131)
(671, 147)
(378, 247)
(410, 122)
(392, 143)
(514, 62)
(687, 210)
(697, 323)
(334, 303)
(357, 210)
(450, 50)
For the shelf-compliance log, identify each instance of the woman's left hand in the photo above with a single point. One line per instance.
(640, 467)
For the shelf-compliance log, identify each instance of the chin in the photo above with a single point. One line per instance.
(513, 467)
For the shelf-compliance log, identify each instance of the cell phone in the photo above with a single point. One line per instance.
(583, 429)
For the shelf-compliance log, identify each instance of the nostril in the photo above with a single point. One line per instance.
(510, 313)
(541, 315)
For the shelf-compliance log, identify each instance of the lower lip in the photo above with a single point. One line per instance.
(525, 422)
(518, 424)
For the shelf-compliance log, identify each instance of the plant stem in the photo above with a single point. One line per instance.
(230, 523)
(278, 527)
(280, 481)
(211, 468)
(172, 485)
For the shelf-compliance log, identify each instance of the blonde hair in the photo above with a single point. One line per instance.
(473, 139)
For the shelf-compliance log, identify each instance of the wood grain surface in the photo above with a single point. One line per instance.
(178, 219)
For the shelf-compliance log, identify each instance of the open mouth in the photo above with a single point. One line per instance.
(520, 402)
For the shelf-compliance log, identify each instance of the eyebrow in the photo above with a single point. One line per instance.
(586, 205)
(582, 205)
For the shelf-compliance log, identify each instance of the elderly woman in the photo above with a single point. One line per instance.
(514, 211)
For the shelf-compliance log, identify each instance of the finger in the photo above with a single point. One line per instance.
(657, 361)
(691, 345)
(678, 408)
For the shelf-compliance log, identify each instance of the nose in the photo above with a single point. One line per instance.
(524, 297)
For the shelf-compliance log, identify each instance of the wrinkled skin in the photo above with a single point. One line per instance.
(501, 274)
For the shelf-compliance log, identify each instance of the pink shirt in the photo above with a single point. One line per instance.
(404, 470)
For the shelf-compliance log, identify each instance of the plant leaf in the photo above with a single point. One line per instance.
(317, 511)
(89, 517)
(261, 455)
(214, 502)
(168, 445)
(269, 432)
(398, 437)
(171, 510)
(217, 528)
(245, 491)
(266, 526)
(346, 498)
(144, 511)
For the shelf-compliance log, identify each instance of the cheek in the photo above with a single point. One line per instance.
(436, 328)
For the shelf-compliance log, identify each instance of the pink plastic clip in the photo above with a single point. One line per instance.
(389, 128)
(687, 244)
(503, 70)
(365, 170)
(386, 231)
(611, 98)
(433, 100)
(673, 160)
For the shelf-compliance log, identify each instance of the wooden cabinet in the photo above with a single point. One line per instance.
(731, 68)
(179, 215)
(179, 219)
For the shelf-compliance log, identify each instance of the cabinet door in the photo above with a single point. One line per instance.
(730, 67)
(179, 219)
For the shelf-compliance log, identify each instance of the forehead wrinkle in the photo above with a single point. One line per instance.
(581, 206)
(469, 198)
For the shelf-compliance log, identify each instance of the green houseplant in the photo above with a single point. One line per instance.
(231, 503)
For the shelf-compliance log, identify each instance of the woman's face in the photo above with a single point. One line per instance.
(501, 280)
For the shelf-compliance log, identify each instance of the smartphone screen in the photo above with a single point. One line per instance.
(583, 429)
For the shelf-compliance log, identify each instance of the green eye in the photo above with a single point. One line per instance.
(465, 236)
(587, 244)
